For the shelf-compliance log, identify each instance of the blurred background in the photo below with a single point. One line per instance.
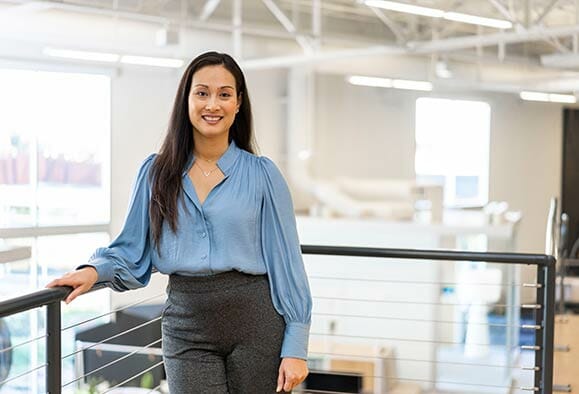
(431, 124)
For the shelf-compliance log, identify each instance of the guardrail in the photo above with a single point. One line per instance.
(542, 327)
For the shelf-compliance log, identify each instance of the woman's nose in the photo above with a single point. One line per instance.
(211, 103)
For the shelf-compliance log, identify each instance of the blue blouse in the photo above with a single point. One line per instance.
(246, 223)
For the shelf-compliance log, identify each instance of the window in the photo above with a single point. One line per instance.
(54, 148)
(452, 148)
(54, 175)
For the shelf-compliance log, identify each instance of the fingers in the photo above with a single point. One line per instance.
(289, 384)
(52, 283)
(280, 380)
(75, 293)
(291, 374)
(81, 281)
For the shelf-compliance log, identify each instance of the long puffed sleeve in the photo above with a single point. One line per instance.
(126, 263)
(282, 254)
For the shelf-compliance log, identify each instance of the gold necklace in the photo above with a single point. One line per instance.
(205, 173)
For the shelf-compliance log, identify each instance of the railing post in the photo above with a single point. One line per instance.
(53, 353)
(548, 326)
(540, 334)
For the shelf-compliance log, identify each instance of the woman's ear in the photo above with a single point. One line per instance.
(239, 101)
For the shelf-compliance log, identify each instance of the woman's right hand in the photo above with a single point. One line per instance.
(81, 281)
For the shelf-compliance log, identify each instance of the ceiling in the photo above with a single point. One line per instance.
(345, 21)
(544, 37)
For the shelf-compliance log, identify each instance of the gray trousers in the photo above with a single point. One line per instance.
(221, 334)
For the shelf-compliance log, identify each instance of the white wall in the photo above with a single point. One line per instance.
(268, 93)
(369, 132)
(526, 159)
(141, 104)
(362, 132)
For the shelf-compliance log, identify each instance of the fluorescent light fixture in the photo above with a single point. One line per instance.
(562, 98)
(370, 81)
(437, 13)
(82, 55)
(406, 8)
(548, 97)
(535, 96)
(389, 83)
(411, 85)
(152, 61)
(477, 20)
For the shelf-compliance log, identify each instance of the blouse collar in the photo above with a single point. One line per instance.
(225, 162)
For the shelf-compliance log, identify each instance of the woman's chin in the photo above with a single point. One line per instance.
(212, 133)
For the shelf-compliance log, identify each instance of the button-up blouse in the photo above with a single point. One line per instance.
(246, 223)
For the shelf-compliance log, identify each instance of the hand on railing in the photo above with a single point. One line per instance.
(81, 281)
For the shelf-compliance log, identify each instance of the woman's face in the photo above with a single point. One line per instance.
(213, 102)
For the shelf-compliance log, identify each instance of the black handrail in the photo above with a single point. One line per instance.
(545, 294)
(451, 255)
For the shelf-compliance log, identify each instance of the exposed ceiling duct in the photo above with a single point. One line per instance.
(283, 33)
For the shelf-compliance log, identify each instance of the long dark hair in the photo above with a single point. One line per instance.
(178, 145)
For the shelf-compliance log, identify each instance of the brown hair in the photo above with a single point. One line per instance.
(178, 145)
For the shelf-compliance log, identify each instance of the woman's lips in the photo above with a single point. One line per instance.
(211, 119)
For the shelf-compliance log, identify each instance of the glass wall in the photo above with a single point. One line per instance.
(54, 198)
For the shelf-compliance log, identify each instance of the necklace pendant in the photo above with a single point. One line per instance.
(205, 173)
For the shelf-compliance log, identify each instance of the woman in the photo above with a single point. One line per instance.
(219, 220)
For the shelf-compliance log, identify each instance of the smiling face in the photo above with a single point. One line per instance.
(213, 102)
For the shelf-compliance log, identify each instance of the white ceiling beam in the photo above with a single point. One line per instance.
(317, 21)
(451, 44)
(280, 16)
(561, 60)
(504, 12)
(555, 43)
(161, 20)
(527, 14)
(546, 11)
(208, 9)
(236, 21)
(288, 25)
(394, 28)
(287, 61)
(418, 48)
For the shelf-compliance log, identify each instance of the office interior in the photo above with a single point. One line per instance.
(423, 125)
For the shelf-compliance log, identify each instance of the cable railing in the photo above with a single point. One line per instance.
(373, 328)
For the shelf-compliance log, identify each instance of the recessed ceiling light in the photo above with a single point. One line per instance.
(437, 13)
(152, 61)
(389, 83)
(548, 97)
(82, 55)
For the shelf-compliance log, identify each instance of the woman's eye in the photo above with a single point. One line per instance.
(225, 95)
(201, 94)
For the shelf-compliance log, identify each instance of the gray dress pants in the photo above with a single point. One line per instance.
(221, 334)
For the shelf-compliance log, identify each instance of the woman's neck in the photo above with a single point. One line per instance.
(210, 150)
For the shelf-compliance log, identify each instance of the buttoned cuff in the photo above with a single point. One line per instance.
(295, 340)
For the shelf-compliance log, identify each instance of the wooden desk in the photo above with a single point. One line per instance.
(566, 355)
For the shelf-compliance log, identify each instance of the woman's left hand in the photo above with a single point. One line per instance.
(292, 372)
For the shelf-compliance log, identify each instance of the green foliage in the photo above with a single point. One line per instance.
(147, 380)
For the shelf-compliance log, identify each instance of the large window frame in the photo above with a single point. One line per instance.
(38, 271)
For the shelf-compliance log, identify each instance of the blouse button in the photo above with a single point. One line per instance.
(203, 234)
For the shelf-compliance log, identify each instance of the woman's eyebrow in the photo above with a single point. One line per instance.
(207, 86)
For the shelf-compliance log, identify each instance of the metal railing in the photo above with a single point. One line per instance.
(543, 308)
